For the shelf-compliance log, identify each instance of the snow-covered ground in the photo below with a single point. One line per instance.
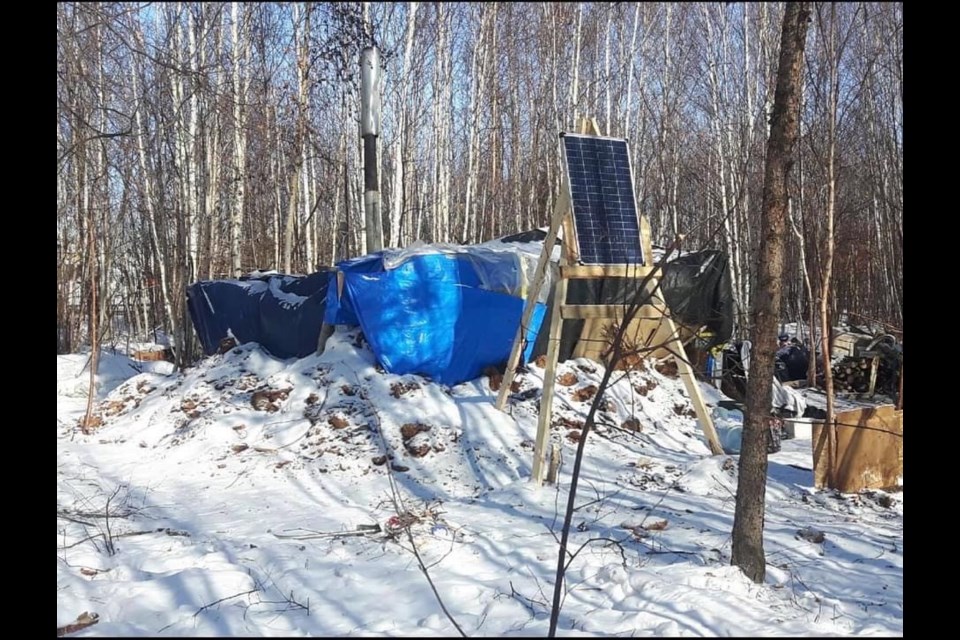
(197, 508)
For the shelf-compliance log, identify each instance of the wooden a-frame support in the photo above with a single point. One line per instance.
(560, 310)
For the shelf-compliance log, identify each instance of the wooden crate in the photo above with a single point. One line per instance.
(845, 343)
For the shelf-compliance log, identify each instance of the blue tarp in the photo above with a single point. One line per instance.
(430, 313)
(283, 313)
(443, 312)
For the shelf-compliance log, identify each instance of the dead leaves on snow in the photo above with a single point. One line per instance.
(416, 447)
(495, 380)
(411, 429)
(268, 399)
(643, 529)
(584, 394)
(398, 389)
(667, 368)
(338, 422)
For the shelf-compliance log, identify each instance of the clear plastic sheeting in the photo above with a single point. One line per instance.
(500, 267)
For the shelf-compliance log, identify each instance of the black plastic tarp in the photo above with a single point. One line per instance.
(281, 312)
(696, 287)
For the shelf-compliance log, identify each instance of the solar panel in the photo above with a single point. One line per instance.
(602, 200)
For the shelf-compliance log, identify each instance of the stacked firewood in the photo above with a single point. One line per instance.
(852, 374)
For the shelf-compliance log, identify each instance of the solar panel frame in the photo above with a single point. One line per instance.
(602, 201)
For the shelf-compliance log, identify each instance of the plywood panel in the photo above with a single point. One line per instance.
(643, 331)
(869, 450)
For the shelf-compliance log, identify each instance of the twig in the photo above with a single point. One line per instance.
(433, 587)
(732, 494)
(75, 520)
(209, 605)
(91, 514)
(449, 551)
(398, 504)
(108, 538)
(618, 543)
(529, 601)
(234, 481)
(100, 534)
(640, 298)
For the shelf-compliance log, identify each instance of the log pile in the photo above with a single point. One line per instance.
(852, 374)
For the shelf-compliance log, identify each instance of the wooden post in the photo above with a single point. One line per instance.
(539, 277)
(549, 381)
(900, 394)
(554, 468)
(693, 389)
(874, 365)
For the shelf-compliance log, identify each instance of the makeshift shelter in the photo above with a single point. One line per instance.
(443, 311)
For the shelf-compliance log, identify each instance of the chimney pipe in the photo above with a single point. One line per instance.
(369, 131)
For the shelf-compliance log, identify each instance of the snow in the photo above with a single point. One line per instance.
(289, 300)
(199, 485)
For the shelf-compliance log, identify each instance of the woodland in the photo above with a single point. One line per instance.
(205, 140)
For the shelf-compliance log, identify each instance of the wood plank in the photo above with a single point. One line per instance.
(581, 271)
(869, 450)
(549, 382)
(693, 390)
(540, 275)
(571, 247)
(646, 240)
(874, 366)
(590, 326)
(605, 311)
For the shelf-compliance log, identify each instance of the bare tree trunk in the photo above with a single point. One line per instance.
(193, 163)
(241, 58)
(720, 118)
(146, 170)
(300, 135)
(608, 126)
(800, 233)
(662, 147)
(93, 325)
(441, 118)
(632, 56)
(402, 136)
(478, 66)
(747, 548)
(307, 199)
(827, 274)
(575, 86)
(85, 216)
(277, 170)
